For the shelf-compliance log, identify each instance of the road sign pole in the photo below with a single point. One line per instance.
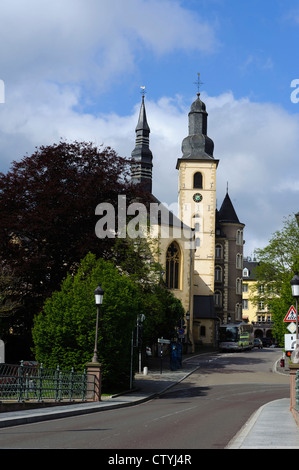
(297, 346)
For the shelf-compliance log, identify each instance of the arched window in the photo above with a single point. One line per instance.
(239, 261)
(239, 238)
(238, 286)
(218, 298)
(218, 251)
(197, 180)
(218, 274)
(238, 311)
(173, 263)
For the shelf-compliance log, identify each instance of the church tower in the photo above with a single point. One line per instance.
(197, 206)
(141, 166)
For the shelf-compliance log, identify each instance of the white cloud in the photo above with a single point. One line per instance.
(49, 49)
(257, 145)
(92, 40)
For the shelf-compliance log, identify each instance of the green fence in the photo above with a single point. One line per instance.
(29, 382)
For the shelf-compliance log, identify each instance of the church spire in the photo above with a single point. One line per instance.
(141, 166)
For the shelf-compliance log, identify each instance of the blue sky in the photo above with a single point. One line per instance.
(73, 69)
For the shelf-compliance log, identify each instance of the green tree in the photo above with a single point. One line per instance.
(277, 263)
(162, 311)
(64, 332)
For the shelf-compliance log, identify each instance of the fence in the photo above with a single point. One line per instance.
(26, 382)
(297, 391)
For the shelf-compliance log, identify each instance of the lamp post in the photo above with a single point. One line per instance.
(98, 294)
(295, 293)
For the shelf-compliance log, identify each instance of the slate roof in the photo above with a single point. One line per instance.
(227, 212)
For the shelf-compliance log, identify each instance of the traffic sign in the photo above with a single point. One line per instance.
(291, 315)
(290, 342)
(291, 327)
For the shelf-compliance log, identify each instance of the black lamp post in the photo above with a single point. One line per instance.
(98, 294)
(295, 293)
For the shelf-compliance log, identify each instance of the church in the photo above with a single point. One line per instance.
(200, 249)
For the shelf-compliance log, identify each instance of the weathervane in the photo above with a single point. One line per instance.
(143, 90)
(198, 83)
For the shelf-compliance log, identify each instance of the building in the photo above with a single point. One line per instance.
(228, 263)
(256, 313)
(189, 244)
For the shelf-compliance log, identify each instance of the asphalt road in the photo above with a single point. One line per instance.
(203, 412)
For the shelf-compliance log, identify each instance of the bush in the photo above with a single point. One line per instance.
(64, 332)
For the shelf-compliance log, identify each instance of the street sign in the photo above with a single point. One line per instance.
(290, 342)
(291, 327)
(163, 341)
(291, 315)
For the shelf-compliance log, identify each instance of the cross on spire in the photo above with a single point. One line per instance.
(198, 83)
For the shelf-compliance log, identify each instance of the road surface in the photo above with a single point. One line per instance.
(204, 411)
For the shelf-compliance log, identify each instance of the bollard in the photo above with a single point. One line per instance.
(145, 370)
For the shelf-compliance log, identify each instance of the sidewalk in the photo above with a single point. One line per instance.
(271, 427)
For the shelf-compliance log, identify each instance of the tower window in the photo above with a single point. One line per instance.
(197, 180)
(173, 262)
(218, 299)
(218, 274)
(218, 251)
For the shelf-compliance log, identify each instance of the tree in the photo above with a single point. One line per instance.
(162, 312)
(64, 332)
(277, 263)
(47, 205)
(10, 294)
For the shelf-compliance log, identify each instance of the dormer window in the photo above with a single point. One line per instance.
(245, 272)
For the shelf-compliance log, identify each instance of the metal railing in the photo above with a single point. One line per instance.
(297, 391)
(26, 382)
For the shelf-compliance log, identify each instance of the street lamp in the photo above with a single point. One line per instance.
(98, 294)
(295, 293)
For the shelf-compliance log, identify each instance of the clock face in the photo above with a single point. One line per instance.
(197, 197)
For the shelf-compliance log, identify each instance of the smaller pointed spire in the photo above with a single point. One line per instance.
(227, 212)
(141, 167)
(142, 121)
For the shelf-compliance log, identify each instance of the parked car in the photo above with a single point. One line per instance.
(267, 342)
(257, 343)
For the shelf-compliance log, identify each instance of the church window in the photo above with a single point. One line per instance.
(173, 262)
(197, 180)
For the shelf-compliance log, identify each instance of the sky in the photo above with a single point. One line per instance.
(73, 69)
